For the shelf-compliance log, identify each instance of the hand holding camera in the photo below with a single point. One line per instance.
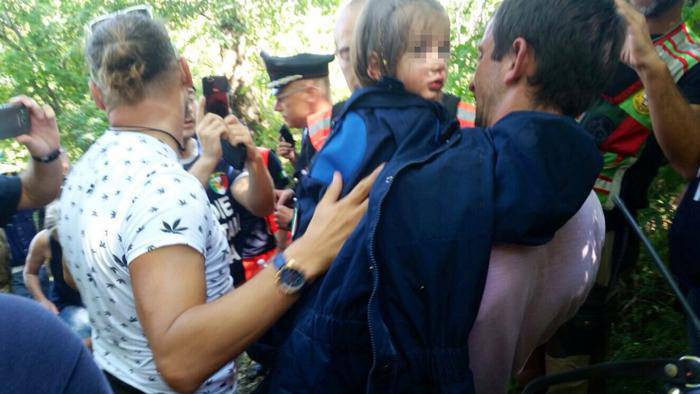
(210, 129)
(239, 136)
(216, 92)
(33, 126)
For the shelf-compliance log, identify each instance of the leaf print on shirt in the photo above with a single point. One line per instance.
(174, 228)
(121, 262)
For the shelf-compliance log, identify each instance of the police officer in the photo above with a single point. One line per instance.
(302, 90)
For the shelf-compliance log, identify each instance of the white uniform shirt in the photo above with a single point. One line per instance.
(127, 196)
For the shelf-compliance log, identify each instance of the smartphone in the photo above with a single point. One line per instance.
(14, 120)
(216, 92)
(286, 135)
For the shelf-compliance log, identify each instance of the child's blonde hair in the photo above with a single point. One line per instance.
(383, 30)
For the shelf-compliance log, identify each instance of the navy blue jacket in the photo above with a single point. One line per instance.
(394, 311)
(40, 354)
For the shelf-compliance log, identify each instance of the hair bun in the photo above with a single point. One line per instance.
(123, 70)
(129, 56)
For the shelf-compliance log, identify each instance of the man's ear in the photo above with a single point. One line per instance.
(96, 95)
(186, 75)
(374, 70)
(520, 61)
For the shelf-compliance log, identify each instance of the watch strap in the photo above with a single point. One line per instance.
(279, 261)
(48, 158)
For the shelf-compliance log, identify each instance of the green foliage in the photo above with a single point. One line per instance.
(41, 53)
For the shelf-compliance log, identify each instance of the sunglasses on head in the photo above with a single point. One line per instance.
(143, 10)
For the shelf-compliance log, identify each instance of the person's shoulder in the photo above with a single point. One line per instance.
(167, 188)
(41, 239)
(46, 356)
(32, 323)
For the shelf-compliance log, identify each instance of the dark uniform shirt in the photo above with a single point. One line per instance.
(10, 192)
(254, 237)
(218, 190)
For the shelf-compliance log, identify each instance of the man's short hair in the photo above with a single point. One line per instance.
(576, 43)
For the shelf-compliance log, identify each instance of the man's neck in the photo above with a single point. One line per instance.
(515, 101)
(317, 110)
(322, 106)
(150, 113)
(667, 21)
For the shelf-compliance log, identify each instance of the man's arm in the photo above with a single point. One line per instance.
(254, 192)
(192, 339)
(39, 253)
(676, 123)
(40, 181)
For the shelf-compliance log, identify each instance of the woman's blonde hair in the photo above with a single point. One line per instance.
(127, 55)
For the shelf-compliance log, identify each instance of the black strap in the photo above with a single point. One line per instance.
(120, 387)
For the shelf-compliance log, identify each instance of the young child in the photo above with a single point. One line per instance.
(400, 57)
(394, 311)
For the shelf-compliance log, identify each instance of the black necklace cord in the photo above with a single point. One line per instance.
(144, 128)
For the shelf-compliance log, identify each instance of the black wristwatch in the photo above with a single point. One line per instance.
(290, 280)
(48, 158)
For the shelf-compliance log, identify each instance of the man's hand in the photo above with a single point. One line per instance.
(238, 133)
(43, 138)
(284, 214)
(286, 150)
(210, 128)
(283, 217)
(638, 51)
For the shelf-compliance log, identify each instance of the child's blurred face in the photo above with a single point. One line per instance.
(423, 67)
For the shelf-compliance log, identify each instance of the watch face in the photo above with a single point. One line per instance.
(291, 280)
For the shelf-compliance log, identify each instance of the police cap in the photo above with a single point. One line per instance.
(284, 70)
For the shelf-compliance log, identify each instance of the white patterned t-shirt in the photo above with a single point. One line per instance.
(127, 196)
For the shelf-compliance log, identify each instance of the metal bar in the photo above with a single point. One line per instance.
(649, 368)
(659, 264)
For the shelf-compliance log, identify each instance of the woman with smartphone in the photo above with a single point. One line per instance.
(143, 245)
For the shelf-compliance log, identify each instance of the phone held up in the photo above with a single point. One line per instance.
(286, 135)
(14, 120)
(216, 93)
